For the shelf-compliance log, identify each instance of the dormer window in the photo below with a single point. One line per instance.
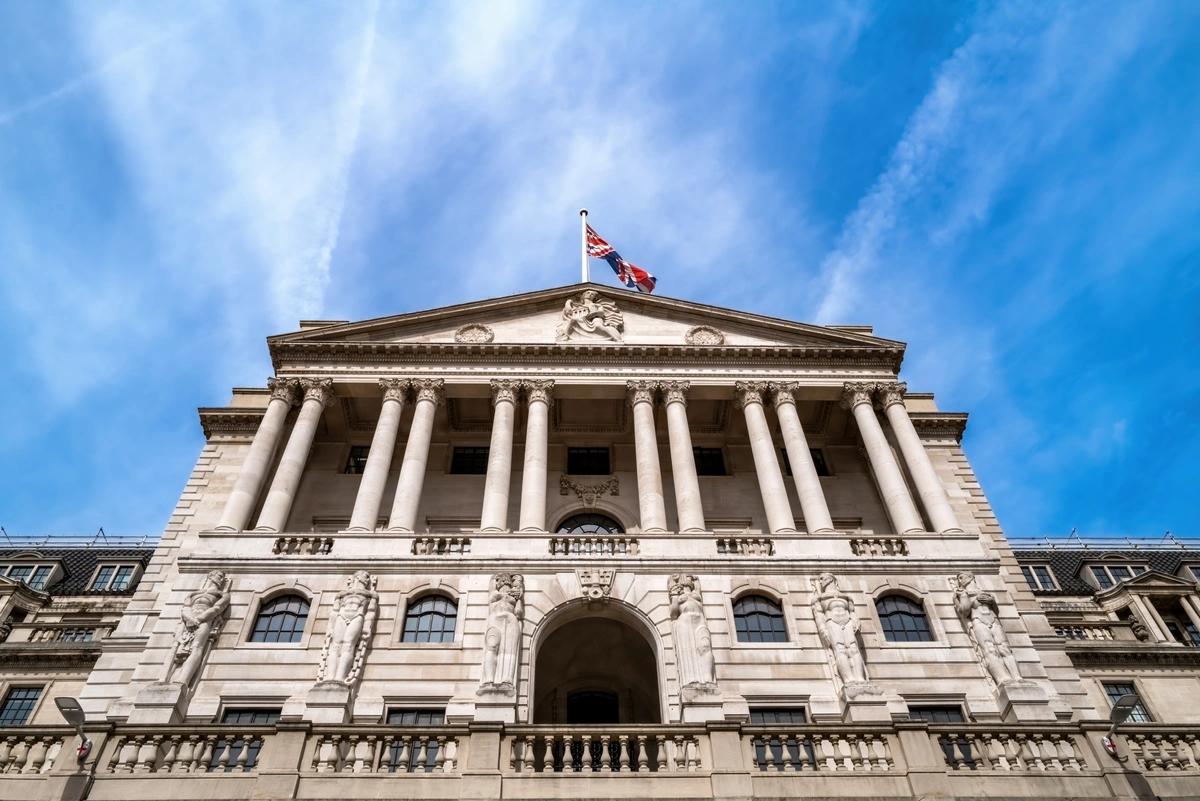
(1039, 577)
(32, 575)
(112, 578)
(1110, 575)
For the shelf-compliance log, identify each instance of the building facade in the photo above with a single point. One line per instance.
(580, 543)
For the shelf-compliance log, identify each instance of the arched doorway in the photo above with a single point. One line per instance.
(596, 666)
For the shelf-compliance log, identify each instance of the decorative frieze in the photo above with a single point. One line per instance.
(589, 494)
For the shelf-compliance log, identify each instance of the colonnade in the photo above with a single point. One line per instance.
(751, 397)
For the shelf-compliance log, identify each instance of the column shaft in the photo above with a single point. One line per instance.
(494, 516)
(649, 474)
(250, 480)
(1149, 616)
(379, 459)
(688, 505)
(407, 499)
(804, 471)
(766, 463)
(533, 473)
(278, 505)
(929, 486)
(1188, 604)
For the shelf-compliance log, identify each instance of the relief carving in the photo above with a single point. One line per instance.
(350, 630)
(590, 317)
(980, 614)
(704, 335)
(589, 494)
(838, 626)
(201, 619)
(474, 334)
(596, 584)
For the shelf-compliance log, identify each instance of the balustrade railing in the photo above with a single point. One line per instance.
(1085, 631)
(1164, 751)
(303, 546)
(593, 546)
(796, 750)
(745, 546)
(1021, 752)
(381, 750)
(58, 633)
(878, 546)
(441, 546)
(210, 750)
(594, 749)
(30, 753)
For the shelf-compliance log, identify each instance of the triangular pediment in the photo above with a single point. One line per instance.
(610, 315)
(1150, 582)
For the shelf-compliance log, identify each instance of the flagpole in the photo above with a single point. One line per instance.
(583, 261)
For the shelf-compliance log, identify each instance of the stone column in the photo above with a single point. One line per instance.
(857, 398)
(318, 393)
(1188, 604)
(804, 472)
(649, 474)
(379, 459)
(427, 395)
(1149, 615)
(929, 486)
(766, 463)
(499, 470)
(683, 459)
(258, 460)
(533, 474)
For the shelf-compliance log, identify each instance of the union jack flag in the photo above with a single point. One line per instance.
(628, 274)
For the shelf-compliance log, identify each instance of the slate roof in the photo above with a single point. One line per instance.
(1067, 563)
(79, 565)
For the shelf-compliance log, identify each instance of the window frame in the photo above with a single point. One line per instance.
(935, 635)
(352, 460)
(478, 452)
(592, 512)
(1029, 571)
(266, 598)
(1135, 569)
(698, 450)
(34, 566)
(594, 450)
(455, 635)
(797, 708)
(135, 574)
(759, 592)
(938, 706)
(15, 686)
(1128, 681)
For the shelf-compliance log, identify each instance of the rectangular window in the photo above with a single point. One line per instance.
(41, 575)
(469, 460)
(588, 461)
(818, 457)
(409, 751)
(122, 578)
(1039, 577)
(1108, 575)
(416, 717)
(113, 578)
(18, 705)
(709, 461)
(20, 572)
(1114, 690)
(356, 462)
(77, 635)
(103, 576)
(773, 716)
(255, 716)
(937, 714)
(252, 744)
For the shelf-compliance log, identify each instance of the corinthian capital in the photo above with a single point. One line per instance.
(504, 389)
(318, 389)
(283, 389)
(675, 391)
(640, 391)
(746, 392)
(856, 392)
(538, 390)
(394, 388)
(783, 392)
(890, 393)
(428, 389)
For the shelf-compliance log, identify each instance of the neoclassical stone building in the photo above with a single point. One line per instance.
(582, 543)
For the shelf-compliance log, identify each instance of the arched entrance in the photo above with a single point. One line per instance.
(595, 666)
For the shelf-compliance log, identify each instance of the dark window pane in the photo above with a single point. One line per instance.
(102, 578)
(588, 461)
(356, 462)
(121, 580)
(470, 461)
(1120, 572)
(18, 705)
(903, 620)
(1102, 577)
(818, 457)
(589, 524)
(40, 577)
(1029, 579)
(430, 619)
(1045, 579)
(20, 572)
(281, 619)
(758, 619)
(251, 717)
(402, 756)
(769, 716)
(710, 461)
(1114, 690)
(937, 714)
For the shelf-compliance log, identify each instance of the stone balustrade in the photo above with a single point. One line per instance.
(383, 750)
(30, 753)
(878, 546)
(745, 546)
(202, 749)
(1163, 750)
(64, 633)
(1014, 752)
(610, 545)
(603, 749)
(303, 546)
(441, 546)
(1085, 631)
(800, 749)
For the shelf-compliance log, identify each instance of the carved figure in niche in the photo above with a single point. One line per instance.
(981, 617)
(693, 640)
(591, 314)
(502, 642)
(837, 626)
(202, 617)
(350, 630)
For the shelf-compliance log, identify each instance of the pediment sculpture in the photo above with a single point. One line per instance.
(350, 630)
(590, 317)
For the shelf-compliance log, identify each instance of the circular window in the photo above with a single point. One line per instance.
(589, 524)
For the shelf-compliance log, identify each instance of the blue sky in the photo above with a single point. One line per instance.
(1010, 188)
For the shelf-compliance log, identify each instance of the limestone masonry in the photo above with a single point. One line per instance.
(583, 543)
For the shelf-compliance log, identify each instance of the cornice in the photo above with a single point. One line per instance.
(229, 421)
(24, 654)
(939, 425)
(426, 353)
(1106, 654)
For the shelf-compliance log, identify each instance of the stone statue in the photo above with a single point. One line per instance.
(837, 626)
(502, 642)
(693, 640)
(981, 618)
(202, 617)
(350, 629)
(590, 315)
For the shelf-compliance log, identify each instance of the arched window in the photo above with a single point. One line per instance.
(589, 524)
(430, 619)
(758, 619)
(281, 619)
(903, 619)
